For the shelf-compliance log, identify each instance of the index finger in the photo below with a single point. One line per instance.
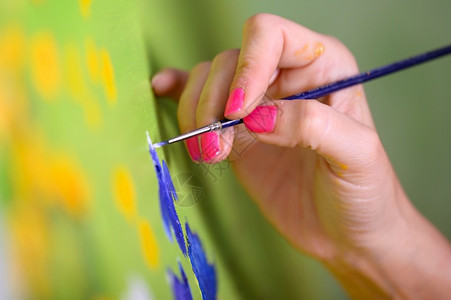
(271, 43)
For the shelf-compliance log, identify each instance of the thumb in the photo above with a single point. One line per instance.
(344, 142)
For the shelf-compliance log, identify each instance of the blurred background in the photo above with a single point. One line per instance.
(79, 211)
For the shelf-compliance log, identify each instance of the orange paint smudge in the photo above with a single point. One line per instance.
(319, 50)
(302, 50)
(46, 72)
(148, 244)
(85, 8)
(359, 93)
(124, 192)
(343, 166)
(107, 73)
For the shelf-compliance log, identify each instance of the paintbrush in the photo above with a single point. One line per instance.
(325, 90)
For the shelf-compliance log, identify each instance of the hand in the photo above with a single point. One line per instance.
(317, 169)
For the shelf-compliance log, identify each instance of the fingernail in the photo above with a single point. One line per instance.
(194, 149)
(210, 146)
(262, 119)
(235, 101)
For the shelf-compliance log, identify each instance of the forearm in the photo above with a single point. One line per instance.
(413, 262)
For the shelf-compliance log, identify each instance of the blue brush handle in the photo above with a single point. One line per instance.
(358, 79)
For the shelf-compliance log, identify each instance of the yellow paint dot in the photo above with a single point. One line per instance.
(79, 89)
(107, 72)
(85, 8)
(92, 60)
(148, 244)
(71, 185)
(124, 192)
(12, 48)
(45, 65)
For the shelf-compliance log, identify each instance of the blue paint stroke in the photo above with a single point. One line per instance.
(167, 196)
(180, 287)
(205, 272)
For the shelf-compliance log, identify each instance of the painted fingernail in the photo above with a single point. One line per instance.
(235, 101)
(210, 146)
(262, 119)
(194, 149)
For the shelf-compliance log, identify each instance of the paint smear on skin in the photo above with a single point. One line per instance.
(204, 272)
(85, 8)
(180, 287)
(107, 73)
(45, 65)
(124, 192)
(167, 195)
(319, 50)
(302, 50)
(358, 93)
(149, 244)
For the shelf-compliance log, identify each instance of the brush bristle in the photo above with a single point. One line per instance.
(160, 144)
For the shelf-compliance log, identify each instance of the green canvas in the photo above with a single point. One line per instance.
(79, 209)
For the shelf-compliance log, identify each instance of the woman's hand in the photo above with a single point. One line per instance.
(316, 168)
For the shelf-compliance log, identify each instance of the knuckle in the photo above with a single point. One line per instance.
(258, 21)
(342, 55)
(373, 144)
(312, 125)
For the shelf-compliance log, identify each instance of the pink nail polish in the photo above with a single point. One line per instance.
(235, 101)
(210, 146)
(262, 119)
(194, 149)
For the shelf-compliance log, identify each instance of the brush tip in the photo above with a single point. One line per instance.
(160, 144)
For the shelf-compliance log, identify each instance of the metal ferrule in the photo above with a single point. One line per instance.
(215, 126)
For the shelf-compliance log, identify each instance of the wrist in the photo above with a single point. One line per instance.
(412, 260)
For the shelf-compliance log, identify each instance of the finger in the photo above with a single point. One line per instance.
(169, 83)
(269, 43)
(186, 112)
(216, 146)
(345, 143)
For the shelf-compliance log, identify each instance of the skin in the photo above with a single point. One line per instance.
(321, 177)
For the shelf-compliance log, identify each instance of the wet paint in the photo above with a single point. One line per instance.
(167, 195)
(180, 287)
(204, 271)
